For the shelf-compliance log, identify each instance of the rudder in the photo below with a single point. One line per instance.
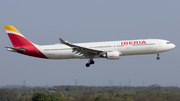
(21, 44)
(17, 39)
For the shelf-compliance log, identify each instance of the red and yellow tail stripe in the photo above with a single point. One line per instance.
(19, 41)
(10, 28)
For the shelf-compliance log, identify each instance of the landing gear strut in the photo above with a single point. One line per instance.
(158, 57)
(91, 61)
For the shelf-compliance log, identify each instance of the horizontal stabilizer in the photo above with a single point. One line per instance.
(21, 50)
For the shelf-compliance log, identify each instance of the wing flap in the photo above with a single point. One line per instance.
(81, 50)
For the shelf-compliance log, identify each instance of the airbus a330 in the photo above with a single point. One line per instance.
(111, 50)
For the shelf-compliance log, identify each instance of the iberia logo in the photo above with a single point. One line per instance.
(133, 42)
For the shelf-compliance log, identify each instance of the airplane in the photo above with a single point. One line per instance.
(111, 50)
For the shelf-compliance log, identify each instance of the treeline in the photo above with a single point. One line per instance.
(86, 93)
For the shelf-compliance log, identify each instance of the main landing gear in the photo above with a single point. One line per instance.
(158, 57)
(91, 61)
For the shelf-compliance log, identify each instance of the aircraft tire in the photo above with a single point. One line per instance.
(92, 62)
(158, 58)
(87, 64)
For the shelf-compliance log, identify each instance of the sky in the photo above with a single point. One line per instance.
(44, 22)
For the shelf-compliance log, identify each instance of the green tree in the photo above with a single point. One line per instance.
(58, 94)
(128, 99)
(43, 97)
(40, 97)
(98, 98)
(7, 95)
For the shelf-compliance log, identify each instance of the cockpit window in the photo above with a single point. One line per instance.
(168, 42)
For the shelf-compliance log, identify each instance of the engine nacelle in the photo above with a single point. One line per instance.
(113, 55)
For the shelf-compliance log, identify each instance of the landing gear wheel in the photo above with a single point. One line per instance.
(87, 64)
(158, 58)
(92, 62)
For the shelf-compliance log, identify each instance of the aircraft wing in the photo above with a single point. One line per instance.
(82, 50)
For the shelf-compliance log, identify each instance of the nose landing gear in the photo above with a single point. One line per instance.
(158, 57)
(91, 61)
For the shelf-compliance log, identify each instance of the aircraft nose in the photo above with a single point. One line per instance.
(170, 46)
(173, 46)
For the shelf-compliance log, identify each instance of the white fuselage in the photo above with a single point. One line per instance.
(111, 50)
(126, 47)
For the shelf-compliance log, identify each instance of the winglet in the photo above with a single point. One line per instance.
(63, 41)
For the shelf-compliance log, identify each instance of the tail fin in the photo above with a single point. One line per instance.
(21, 44)
(17, 39)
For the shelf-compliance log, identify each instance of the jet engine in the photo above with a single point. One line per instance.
(112, 55)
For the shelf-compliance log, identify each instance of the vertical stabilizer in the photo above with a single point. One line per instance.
(21, 44)
(17, 39)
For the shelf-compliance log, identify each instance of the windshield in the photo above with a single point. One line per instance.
(168, 42)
